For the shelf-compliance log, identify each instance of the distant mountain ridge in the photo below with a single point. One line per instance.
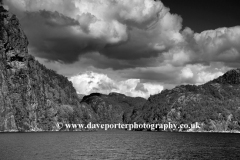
(215, 104)
(114, 107)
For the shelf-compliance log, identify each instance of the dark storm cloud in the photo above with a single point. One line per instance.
(132, 50)
(55, 19)
(51, 37)
(111, 28)
(101, 61)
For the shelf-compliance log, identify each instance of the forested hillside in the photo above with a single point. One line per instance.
(216, 104)
(113, 108)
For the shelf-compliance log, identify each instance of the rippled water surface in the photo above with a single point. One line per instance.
(118, 145)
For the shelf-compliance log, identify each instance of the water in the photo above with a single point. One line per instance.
(118, 145)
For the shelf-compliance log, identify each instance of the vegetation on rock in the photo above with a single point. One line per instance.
(216, 104)
(32, 97)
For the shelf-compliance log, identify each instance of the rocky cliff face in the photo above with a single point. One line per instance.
(31, 96)
(216, 104)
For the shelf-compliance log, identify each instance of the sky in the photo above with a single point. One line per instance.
(134, 47)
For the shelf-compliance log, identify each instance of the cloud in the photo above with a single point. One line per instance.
(219, 45)
(220, 42)
(187, 73)
(199, 74)
(90, 82)
(169, 75)
(119, 29)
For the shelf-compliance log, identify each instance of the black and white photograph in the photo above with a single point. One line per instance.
(119, 80)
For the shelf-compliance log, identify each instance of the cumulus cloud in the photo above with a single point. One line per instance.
(199, 74)
(64, 30)
(91, 82)
(219, 45)
(187, 73)
(119, 29)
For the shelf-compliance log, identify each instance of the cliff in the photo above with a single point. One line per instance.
(32, 97)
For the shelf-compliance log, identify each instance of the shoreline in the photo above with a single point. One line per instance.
(15, 131)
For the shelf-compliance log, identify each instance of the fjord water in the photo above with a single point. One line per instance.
(118, 145)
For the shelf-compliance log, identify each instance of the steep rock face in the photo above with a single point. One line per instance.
(31, 96)
(216, 104)
(113, 108)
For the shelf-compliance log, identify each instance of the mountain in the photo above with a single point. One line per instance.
(113, 108)
(215, 105)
